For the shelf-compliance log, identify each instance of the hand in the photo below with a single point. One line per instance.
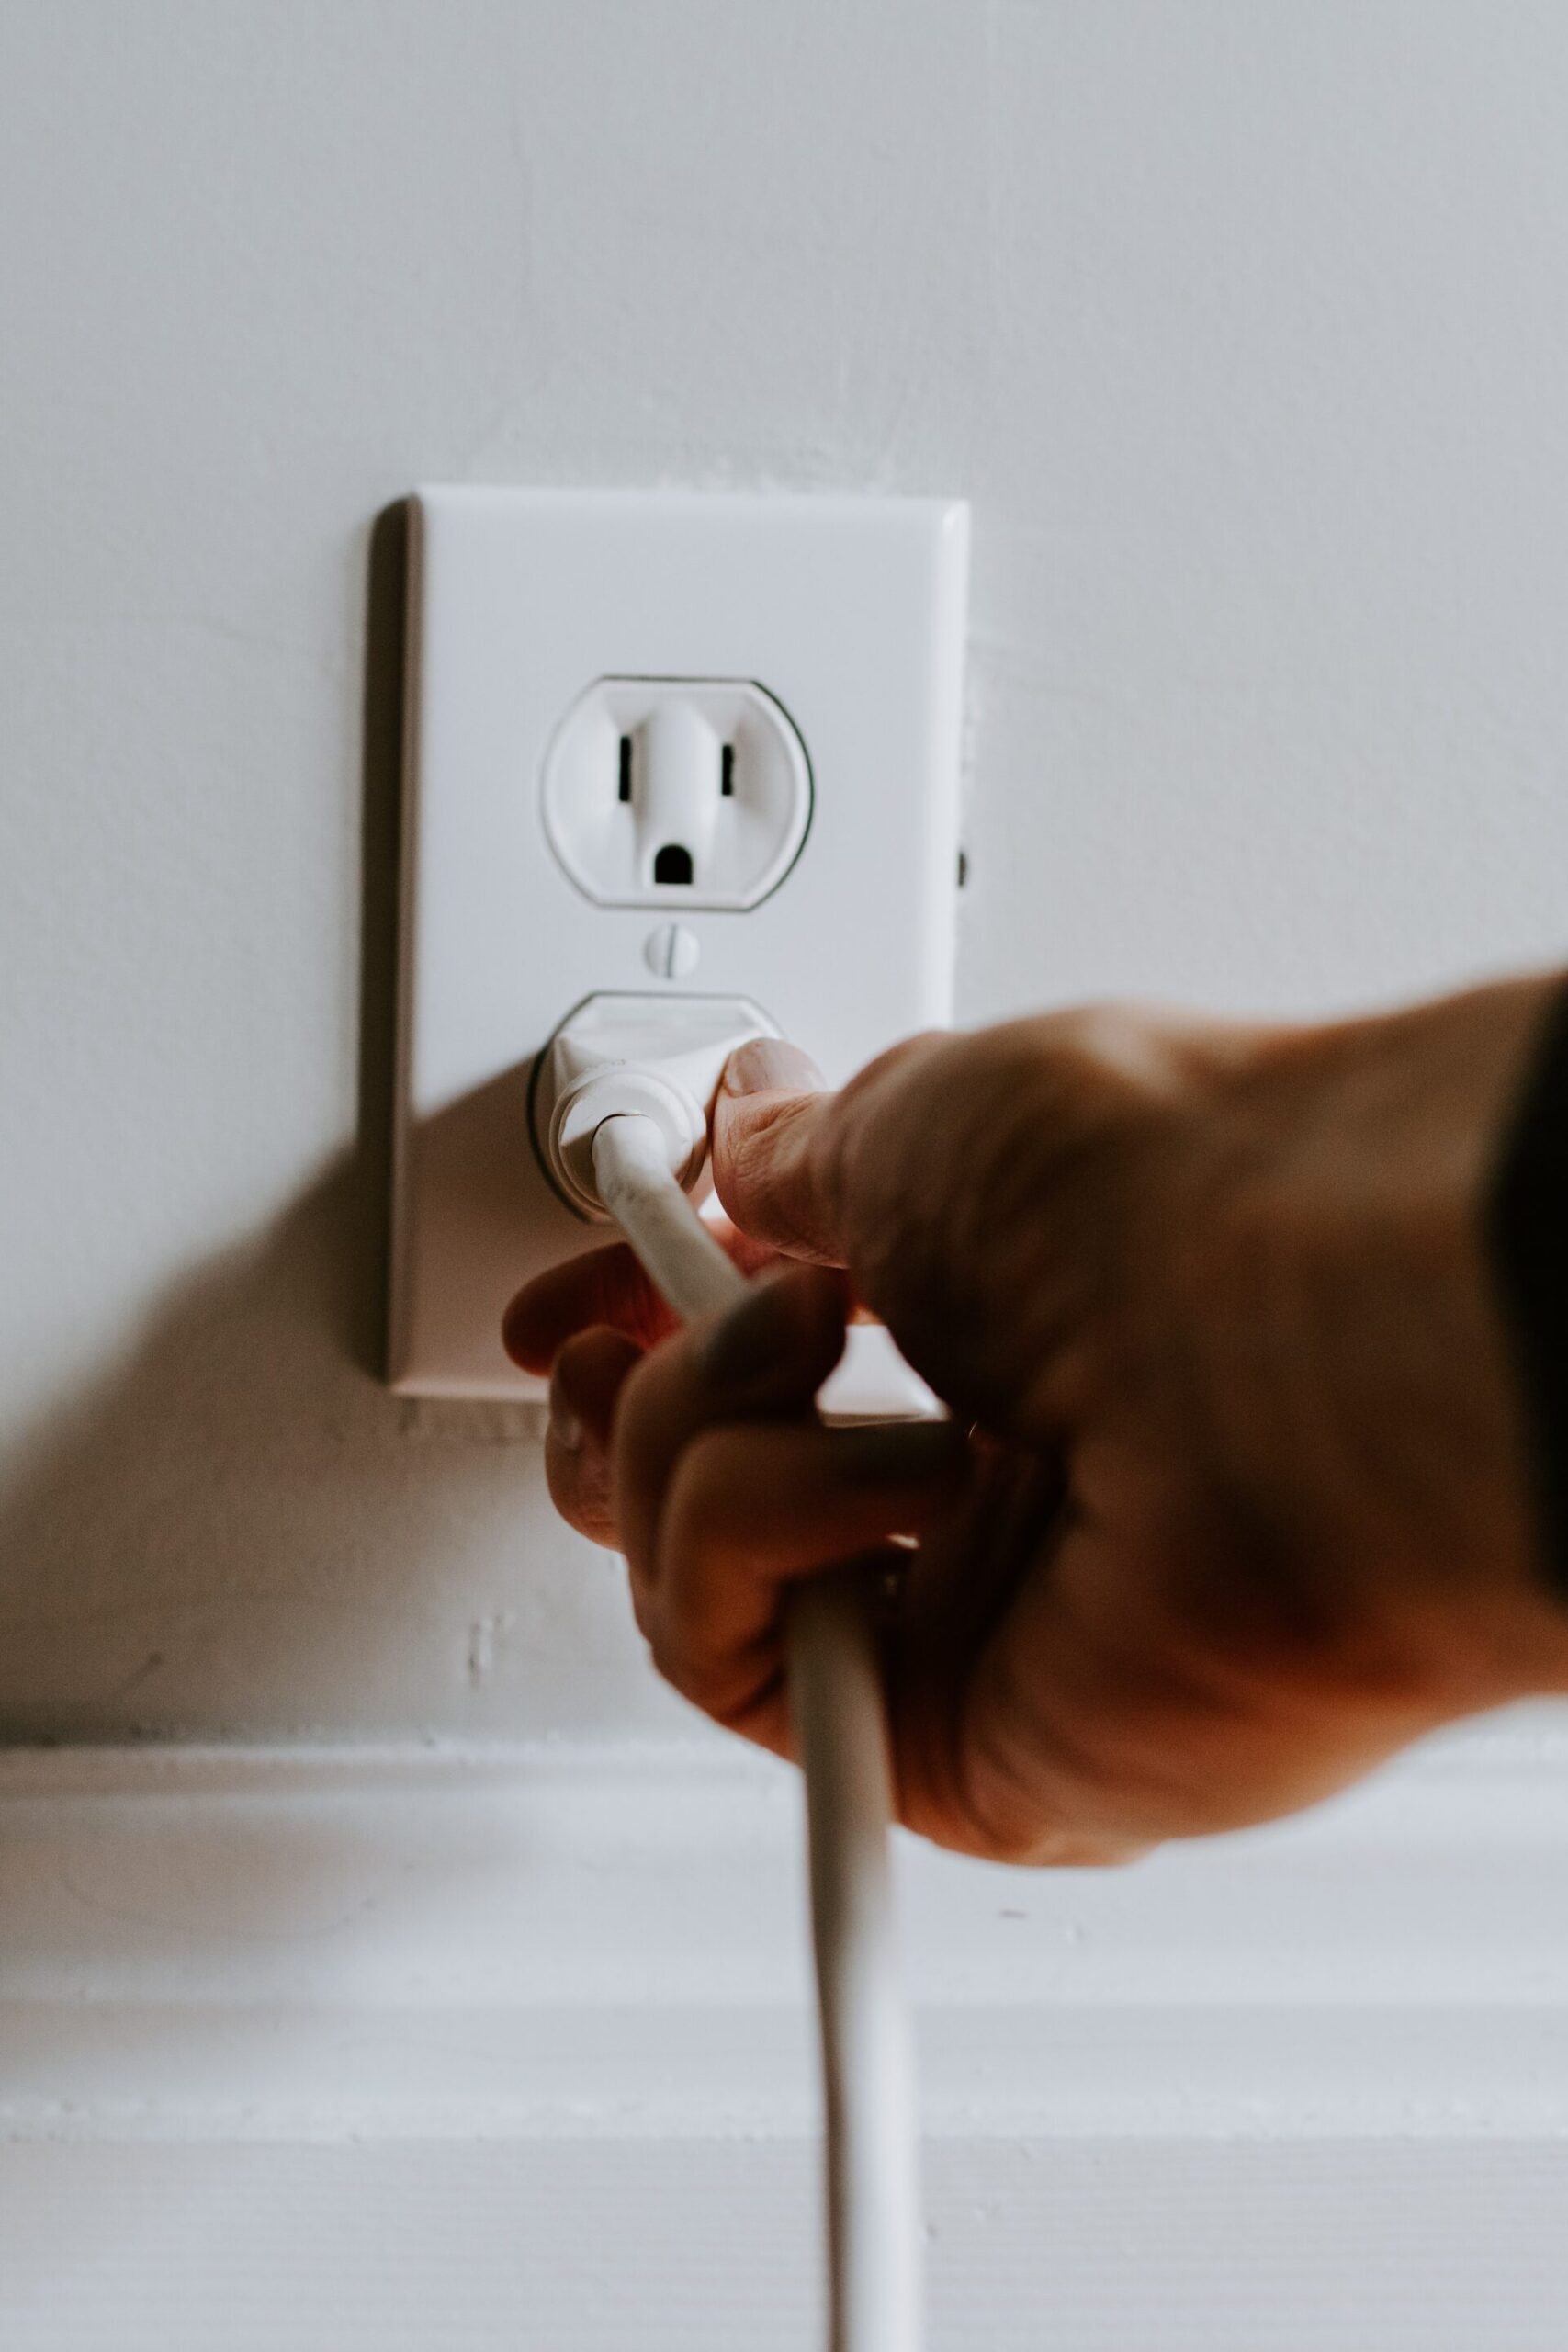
(1232, 1504)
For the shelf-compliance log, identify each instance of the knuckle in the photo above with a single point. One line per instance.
(644, 1615)
(673, 1657)
(1004, 1828)
(1119, 1058)
(1029, 1794)
(662, 1649)
(659, 1622)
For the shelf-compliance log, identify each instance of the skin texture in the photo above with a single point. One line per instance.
(1233, 1502)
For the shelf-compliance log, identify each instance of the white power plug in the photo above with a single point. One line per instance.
(656, 1058)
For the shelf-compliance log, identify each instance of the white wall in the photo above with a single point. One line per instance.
(1245, 328)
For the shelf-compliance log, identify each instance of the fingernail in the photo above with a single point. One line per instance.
(772, 1065)
(750, 1338)
(566, 1428)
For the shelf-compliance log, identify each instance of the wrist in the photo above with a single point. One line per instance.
(1525, 1233)
(1355, 1370)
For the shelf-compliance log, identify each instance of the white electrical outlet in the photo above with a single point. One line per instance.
(659, 744)
(677, 792)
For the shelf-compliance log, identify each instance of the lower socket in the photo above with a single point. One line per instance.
(660, 1056)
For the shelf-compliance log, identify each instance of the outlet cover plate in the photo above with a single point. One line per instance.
(851, 612)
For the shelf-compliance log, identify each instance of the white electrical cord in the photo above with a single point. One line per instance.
(835, 1689)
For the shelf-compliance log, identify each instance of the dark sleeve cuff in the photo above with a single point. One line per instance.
(1527, 1233)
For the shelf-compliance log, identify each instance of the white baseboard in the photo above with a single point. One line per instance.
(572, 1983)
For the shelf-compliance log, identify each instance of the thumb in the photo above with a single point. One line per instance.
(771, 1154)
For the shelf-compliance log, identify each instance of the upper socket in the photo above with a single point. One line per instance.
(677, 792)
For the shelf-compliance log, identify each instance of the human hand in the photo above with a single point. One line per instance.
(1232, 1504)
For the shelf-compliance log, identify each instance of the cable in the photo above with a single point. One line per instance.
(680, 1256)
(835, 1689)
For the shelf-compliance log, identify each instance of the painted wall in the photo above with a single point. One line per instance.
(1247, 332)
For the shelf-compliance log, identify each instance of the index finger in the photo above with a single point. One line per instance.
(601, 1286)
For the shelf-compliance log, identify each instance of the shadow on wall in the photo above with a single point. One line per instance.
(240, 1525)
